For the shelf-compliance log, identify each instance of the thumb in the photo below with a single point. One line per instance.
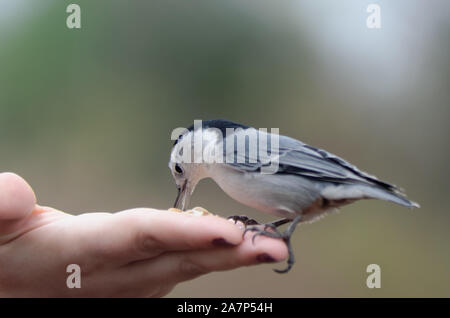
(17, 199)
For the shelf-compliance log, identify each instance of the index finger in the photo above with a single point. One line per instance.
(144, 233)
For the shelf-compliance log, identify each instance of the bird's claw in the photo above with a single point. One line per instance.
(259, 231)
(273, 233)
(291, 259)
(285, 236)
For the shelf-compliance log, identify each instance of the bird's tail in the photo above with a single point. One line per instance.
(394, 196)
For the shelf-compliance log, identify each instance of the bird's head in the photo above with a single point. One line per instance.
(190, 157)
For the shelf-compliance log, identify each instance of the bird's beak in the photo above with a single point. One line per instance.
(183, 196)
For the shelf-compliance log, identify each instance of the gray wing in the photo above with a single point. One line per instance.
(298, 158)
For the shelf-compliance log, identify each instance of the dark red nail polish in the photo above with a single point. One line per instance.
(265, 258)
(221, 242)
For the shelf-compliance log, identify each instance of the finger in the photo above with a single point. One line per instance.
(17, 199)
(181, 266)
(143, 233)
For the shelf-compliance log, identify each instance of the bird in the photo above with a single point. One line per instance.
(272, 173)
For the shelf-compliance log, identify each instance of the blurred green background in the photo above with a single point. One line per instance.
(86, 117)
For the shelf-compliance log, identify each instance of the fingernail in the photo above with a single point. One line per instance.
(265, 258)
(221, 242)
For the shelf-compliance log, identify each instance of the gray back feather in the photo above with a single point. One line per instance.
(298, 158)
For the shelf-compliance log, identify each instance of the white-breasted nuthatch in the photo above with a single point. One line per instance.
(272, 173)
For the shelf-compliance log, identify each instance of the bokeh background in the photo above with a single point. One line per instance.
(86, 117)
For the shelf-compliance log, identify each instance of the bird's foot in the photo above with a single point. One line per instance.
(263, 231)
(262, 228)
(274, 233)
(244, 219)
(285, 236)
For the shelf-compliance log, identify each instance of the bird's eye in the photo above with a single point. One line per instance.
(178, 169)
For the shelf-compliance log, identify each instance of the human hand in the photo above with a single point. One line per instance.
(133, 253)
